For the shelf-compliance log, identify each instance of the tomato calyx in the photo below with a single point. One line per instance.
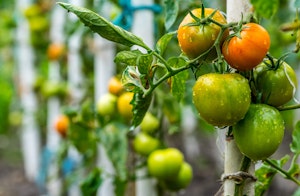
(275, 64)
(203, 20)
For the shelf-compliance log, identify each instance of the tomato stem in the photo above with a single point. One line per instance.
(282, 171)
(246, 162)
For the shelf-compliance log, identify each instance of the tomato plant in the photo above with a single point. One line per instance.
(246, 48)
(277, 83)
(196, 37)
(222, 99)
(260, 133)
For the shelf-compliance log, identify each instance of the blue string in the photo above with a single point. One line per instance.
(125, 19)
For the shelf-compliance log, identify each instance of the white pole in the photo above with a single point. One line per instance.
(75, 79)
(104, 70)
(53, 138)
(30, 137)
(143, 26)
(233, 157)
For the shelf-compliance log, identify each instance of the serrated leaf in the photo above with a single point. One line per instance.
(178, 82)
(295, 145)
(162, 43)
(131, 78)
(264, 8)
(127, 58)
(297, 4)
(144, 63)
(172, 8)
(140, 107)
(103, 27)
(266, 173)
(114, 139)
(91, 184)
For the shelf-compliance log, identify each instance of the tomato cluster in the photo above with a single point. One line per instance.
(169, 167)
(246, 95)
(116, 101)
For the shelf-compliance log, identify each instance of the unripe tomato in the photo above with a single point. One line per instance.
(144, 144)
(115, 86)
(150, 123)
(165, 164)
(277, 86)
(61, 125)
(248, 49)
(222, 99)
(124, 105)
(260, 133)
(107, 104)
(194, 40)
(183, 178)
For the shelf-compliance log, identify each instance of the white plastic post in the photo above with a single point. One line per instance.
(104, 69)
(144, 19)
(30, 137)
(233, 157)
(75, 79)
(53, 138)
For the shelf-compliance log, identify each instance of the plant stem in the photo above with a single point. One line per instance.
(282, 171)
(246, 162)
(290, 107)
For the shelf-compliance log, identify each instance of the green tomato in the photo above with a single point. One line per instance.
(260, 133)
(222, 99)
(106, 104)
(277, 86)
(144, 144)
(183, 178)
(150, 123)
(165, 164)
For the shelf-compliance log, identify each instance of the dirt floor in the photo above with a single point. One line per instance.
(14, 183)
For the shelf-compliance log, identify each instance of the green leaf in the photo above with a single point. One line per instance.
(178, 82)
(129, 58)
(140, 107)
(90, 185)
(172, 8)
(131, 78)
(297, 192)
(162, 43)
(295, 145)
(265, 175)
(297, 4)
(120, 186)
(144, 63)
(114, 139)
(265, 8)
(103, 27)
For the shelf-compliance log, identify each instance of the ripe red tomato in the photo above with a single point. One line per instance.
(222, 99)
(260, 133)
(247, 49)
(194, 40)
(277, 86)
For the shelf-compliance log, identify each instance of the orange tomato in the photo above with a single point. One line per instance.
(115, 86)
(246, 51)
(62, 125)
(55, 51)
